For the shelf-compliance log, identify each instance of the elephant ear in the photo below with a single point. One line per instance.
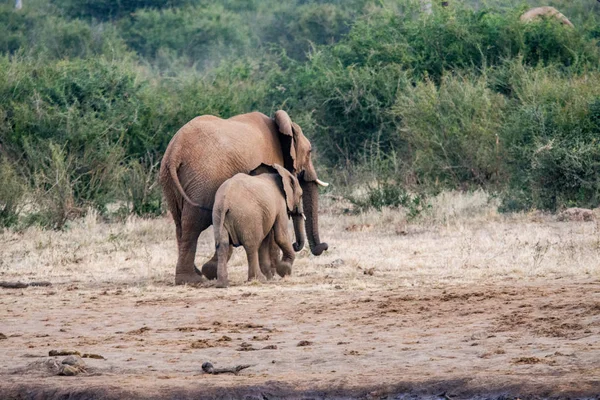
(288, 146)
(263, 169)
(287, 186)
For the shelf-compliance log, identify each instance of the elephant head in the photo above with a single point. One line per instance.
(292, 191)
(297, 159)
(293, 200)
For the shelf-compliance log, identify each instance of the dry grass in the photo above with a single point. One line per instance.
(460, 240)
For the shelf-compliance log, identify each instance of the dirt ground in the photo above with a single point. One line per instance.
(462, 303)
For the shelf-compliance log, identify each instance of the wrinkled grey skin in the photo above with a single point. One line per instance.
(252, 211)
(206, 152)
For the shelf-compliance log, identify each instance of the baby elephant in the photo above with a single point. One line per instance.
(253, 211)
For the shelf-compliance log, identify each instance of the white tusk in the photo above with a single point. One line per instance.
(304, 216)
(321, 183)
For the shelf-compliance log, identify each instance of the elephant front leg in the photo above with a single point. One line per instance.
(284, 267)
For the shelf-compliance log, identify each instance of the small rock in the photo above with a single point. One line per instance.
(13, 285)
(208, 367)
(270, 347)
(74, 361)
(244, 346)
(92, 355)
(139, 331)
(40, 283)
(3, 336)
(304, 343)
(68, 370)
(202, 344)
(52, 365)
(54, 353)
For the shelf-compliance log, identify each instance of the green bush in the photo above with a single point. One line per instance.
(47, 36)
(12, 191)
(454, 129)
(92, 91)
(458, 37)
(387, 193)
(200, 34)
(111, 9)
(140, 185)
(13, 28)
(296, 29)
(349, 108)
(552, 139)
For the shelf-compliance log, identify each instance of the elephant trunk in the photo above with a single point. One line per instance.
(311, 208)
(299, 230)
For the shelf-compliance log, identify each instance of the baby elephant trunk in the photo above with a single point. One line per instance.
(299, 230)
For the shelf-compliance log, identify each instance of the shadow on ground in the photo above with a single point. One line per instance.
(455, 389)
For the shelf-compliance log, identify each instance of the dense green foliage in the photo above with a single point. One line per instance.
(464, 97)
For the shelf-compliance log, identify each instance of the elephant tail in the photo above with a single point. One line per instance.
(221, 234)
(175, 178)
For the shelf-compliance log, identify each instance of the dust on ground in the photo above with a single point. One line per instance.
(452, 306)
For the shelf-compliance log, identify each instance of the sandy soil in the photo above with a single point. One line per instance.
(394, 310)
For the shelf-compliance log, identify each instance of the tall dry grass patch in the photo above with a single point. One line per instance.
(460, 240)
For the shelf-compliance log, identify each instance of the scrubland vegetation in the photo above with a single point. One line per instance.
(399, 102)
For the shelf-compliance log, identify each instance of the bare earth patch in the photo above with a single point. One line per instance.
(460, 303)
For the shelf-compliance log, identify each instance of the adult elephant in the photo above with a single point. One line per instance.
(206, 152)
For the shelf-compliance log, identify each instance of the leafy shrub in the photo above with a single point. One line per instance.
(387, 193)
(459, 38)
(12, 29)
(12, 191)
(48, 36)
(92, 91)
(54, 189)
(110, 9)
(57, 38)
(201, 34)
(295, 29)
(552, 137)
(350, 108)
(140, 183)
(454, 129)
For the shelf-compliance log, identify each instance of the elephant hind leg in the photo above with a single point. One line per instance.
(193, 222)
(223, 252)
(209, 268)
(253, 263)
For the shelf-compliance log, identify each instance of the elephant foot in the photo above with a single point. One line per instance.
(222, 284)
(257, 278)
(209, 270)
(284, 269)
(188, 279)
(268, 273)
